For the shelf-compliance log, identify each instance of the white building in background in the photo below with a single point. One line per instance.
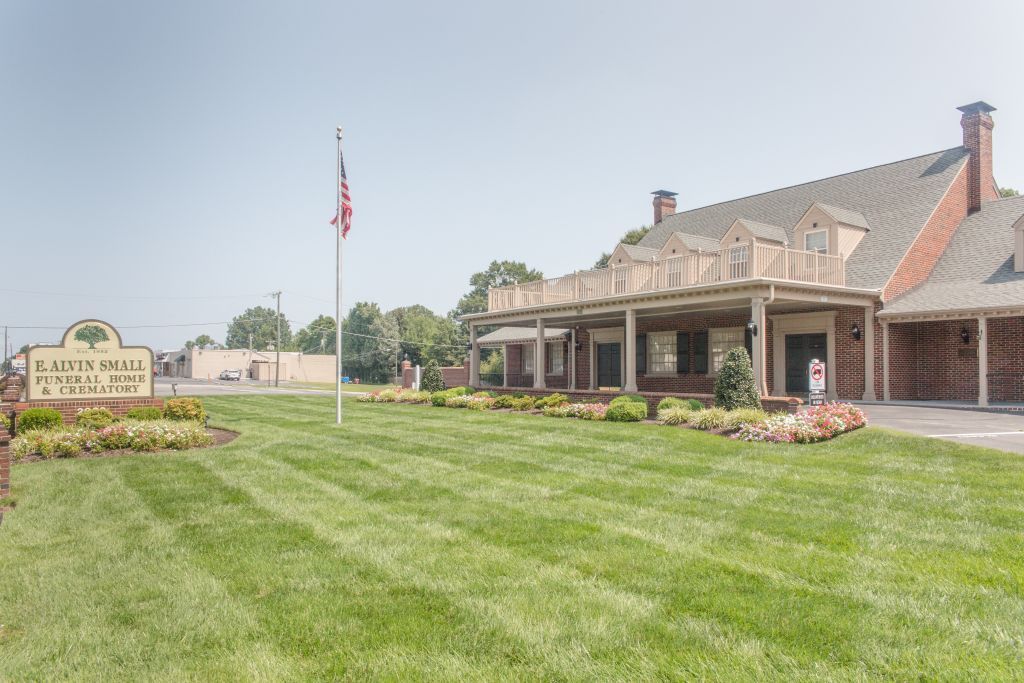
(258, 365)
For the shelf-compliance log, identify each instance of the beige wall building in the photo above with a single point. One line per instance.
(258, 365)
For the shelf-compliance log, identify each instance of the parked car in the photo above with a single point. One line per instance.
(231, 375)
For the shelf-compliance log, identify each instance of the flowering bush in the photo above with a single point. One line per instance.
(583, 411)
(139, 436)
(186, 409)
(472, 402)
(410, 396)
(819, 423)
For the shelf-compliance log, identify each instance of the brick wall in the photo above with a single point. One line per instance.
(931, 242)
(929, 361)
(69, 409)
(5, 462)
(516, 378)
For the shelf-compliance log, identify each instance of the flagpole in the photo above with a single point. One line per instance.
(337, 318)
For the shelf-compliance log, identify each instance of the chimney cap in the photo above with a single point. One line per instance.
(664, 193)
(978, 107)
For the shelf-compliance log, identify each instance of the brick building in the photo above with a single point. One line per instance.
(907, 279)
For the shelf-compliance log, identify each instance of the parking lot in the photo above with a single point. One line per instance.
(994, 430)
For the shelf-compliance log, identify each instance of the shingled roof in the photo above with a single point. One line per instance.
(976, 270)
(896, 200)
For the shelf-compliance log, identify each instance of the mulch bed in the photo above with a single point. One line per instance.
(220, 437)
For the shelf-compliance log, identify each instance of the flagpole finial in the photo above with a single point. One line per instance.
(339, 132)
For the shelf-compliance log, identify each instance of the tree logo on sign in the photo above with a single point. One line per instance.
(91, 335)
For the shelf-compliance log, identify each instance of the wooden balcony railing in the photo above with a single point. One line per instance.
(740, 262)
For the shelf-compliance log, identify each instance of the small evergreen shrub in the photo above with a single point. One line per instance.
(485, 394)
(522, 403)
(504, 401)
(438, 398)
(694, 404)
(551, 400)
(674, 415)
(144, 414)
(710, 418)
(628, 398)
(735, 386)
(410, 396)
(670, 402)
(745, 416)
(94, 418)
(432, 380)
(39, 418)
(190, 409)
(626, 411)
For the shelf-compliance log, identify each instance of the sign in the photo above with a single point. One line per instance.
(18, 364)
(90, 363)
(816, 372)
(816, 398)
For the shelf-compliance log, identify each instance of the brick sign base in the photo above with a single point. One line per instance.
(69, 409)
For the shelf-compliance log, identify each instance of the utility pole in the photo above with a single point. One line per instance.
(6, 355)
(277, 346)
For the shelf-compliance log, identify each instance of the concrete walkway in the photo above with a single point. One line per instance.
(991, 429)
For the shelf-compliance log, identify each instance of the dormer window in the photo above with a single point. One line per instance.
(816, 241)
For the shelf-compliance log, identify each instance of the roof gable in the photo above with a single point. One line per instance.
(895, 200)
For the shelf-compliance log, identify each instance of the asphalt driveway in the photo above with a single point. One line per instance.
(993, 430)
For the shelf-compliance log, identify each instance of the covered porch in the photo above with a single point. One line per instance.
(673, 343)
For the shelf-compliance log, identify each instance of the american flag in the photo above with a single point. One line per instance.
(346, 198)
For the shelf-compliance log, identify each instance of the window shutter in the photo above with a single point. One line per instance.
(682, 352)
(522, 359)
(700, 353)
(748, 342)
(641, 354)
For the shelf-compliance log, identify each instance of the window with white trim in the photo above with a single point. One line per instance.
(816, 241)
(556, 356)
(661, 352)
(721, 340)
(528, 350)
(738, 261)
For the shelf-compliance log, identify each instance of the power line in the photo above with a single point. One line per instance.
(129, 297)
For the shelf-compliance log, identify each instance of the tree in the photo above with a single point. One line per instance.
(260, 323)
(190, 345)
(735, 386)
(631, 237)
(91, 335)
(369, 352)
(432, 379)
(449, 344)
(1008, 192)
(317, 337)
(493, 367)
(498, 274)
(418, 328)
(204, 340)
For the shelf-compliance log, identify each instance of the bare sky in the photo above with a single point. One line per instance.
(170, 163)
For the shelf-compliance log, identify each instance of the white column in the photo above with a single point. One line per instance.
(885, 360)
(474, 358)
(630, 351)
(572, 359)
(982, 361)
(869, 353)
(538, 357)
(758, 347)
(504, 365)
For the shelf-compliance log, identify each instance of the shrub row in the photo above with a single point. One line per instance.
(69, 441)
(711, 418)
(179, 409)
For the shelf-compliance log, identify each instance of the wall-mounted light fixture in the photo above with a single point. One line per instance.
(855, 332)
(752, 326)
(965, 335)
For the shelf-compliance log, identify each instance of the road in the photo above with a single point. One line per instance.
(165, 386)
(1004, 431)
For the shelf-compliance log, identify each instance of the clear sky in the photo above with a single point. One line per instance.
(166, 163)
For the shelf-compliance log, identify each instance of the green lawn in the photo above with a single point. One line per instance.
(428, 543)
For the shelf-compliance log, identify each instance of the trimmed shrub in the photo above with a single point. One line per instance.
(671, 402)
(185, 409)
(5, 421)
(438, 398)
(144, 414)
(628, 398)
(409, 396)
(432, 380)
(694, 404)
(709, 418)
(626, 411)
(39, 418)
(551, 400)
(485, 394)
(745, 416)
(735, 386)
(387, 396)
(522, 403)
(504, 401)
(94, 418)
(674, 415)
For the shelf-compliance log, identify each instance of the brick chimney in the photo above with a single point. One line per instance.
(977, 125)
(664, 204)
